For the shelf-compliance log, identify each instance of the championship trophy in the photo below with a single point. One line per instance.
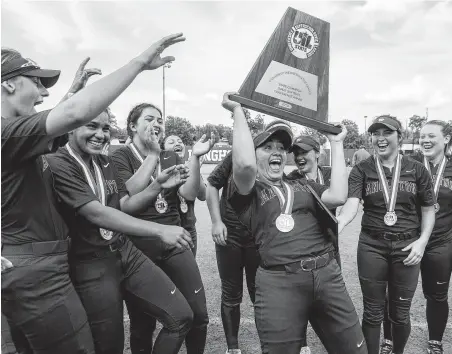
(289, 80)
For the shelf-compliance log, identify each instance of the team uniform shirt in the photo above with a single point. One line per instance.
(443, 223)
(127, 165)
(414, 190)
(74, 192)
(29, 212)
(238, 234)
(261, 207)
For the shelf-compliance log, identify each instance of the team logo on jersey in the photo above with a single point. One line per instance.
(302, 41)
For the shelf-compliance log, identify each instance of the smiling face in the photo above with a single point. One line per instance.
(174, 143)
(306, 161)
(28, 93)
(148, 115)
(385, 142)
(91, 138)
(271, 159)
(433, 140)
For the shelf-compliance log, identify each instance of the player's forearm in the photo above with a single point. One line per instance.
(189, 190)
(202, 189)
(427, 223)
(338, 189)
(88, 103)
(213, 203)
(348, 211)
(140, 180)
(116, 220)
(139, 202)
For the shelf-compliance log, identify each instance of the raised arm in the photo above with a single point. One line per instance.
(88, 103)
(336, 194)
(244, 168)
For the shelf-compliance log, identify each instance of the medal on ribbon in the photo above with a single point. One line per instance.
(436, 181)
(161, 205)
(97, 184)
(320, 176)
(389, 194)
(285, 221)
(183, 204)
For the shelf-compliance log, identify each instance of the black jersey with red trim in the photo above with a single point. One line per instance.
(29, 207)
(443, 223)
(414, 190)
(128, 164)
(259, 210)
(238, 233)
(74, 192)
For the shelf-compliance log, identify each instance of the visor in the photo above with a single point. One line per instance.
(384, 122)
(276, 128)
(27, 67)
(305, 143)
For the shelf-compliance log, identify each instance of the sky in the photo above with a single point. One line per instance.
(385, 56)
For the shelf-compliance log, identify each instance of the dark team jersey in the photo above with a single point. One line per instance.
(414, 190)
(326, 173)
(29, 212)
(128, 164)
(443, 223)
(188, 219)
(220, 177)
(259, 210)
(74, 192)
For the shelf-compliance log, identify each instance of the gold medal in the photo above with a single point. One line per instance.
(106, 234)
(183, 205)
(285, 222)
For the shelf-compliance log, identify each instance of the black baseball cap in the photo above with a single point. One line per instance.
(27, 67)
(385, 121)
(279, 128)
(306, 143)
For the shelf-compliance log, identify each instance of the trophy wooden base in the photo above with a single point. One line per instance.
(287, 115)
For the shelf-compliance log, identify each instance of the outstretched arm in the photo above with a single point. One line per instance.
(88, 103)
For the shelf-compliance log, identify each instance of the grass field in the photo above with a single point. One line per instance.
(248, 338)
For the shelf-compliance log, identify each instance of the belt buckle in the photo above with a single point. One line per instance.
(303, 268)
(387, 236)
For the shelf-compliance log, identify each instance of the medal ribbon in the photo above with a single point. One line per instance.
(320, 176)
(140, 158)
(389, 195)
(286, 205)
(97, 182)
(439, 175)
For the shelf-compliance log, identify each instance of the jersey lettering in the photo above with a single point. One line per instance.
(403, 186)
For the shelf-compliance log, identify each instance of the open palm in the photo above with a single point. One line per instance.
(203, 146)
(173, 176)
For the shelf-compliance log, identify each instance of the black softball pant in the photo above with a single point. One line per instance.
(181, 268)
(105, 278)
(436, 270)
(380, 266)
(41, 304)
(231, 261)
(285, 301)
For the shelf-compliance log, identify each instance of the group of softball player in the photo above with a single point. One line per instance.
(85, 232)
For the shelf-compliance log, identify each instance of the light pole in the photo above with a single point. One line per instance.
(365, 131)
(168, 65)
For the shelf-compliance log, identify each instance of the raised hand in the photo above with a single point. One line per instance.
(227, 103)
(177, 236)
(173, 176)
(82, 75)
(150, 59)
(203, 146)
(339, 137)
(151, 140)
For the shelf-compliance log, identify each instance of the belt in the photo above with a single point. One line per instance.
(392, 236)
(37, 248)
(101, 251)
(305, 264)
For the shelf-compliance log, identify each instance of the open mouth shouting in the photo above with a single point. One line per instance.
(275, 164)
(427, 147)
(157, 131)
(178, 148)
